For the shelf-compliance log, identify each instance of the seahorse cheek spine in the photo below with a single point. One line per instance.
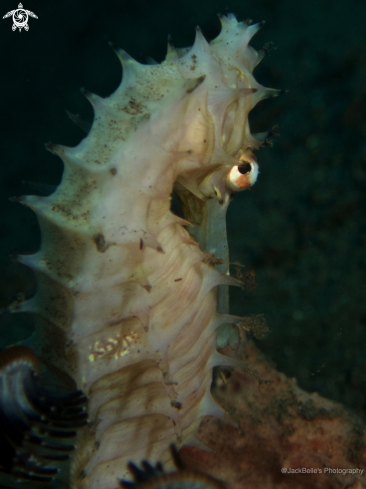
(119, 277)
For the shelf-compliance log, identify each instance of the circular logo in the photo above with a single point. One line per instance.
(20, 18)
(284, 470)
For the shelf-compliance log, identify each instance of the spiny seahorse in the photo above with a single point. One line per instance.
(130, 295)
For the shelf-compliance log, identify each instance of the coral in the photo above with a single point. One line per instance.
(284, 438)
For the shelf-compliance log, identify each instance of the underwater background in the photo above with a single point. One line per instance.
(302, 226)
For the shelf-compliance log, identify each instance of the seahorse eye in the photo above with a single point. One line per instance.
(245, 168)
(243, 176)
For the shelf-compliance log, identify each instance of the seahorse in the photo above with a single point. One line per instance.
(130, 295)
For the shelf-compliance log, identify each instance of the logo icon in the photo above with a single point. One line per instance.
(20, 18)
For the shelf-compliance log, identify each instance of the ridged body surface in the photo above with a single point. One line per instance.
(123, 288)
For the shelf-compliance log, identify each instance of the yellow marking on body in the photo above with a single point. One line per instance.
(116, 347)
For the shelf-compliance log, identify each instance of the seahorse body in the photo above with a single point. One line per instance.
(124, 292)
